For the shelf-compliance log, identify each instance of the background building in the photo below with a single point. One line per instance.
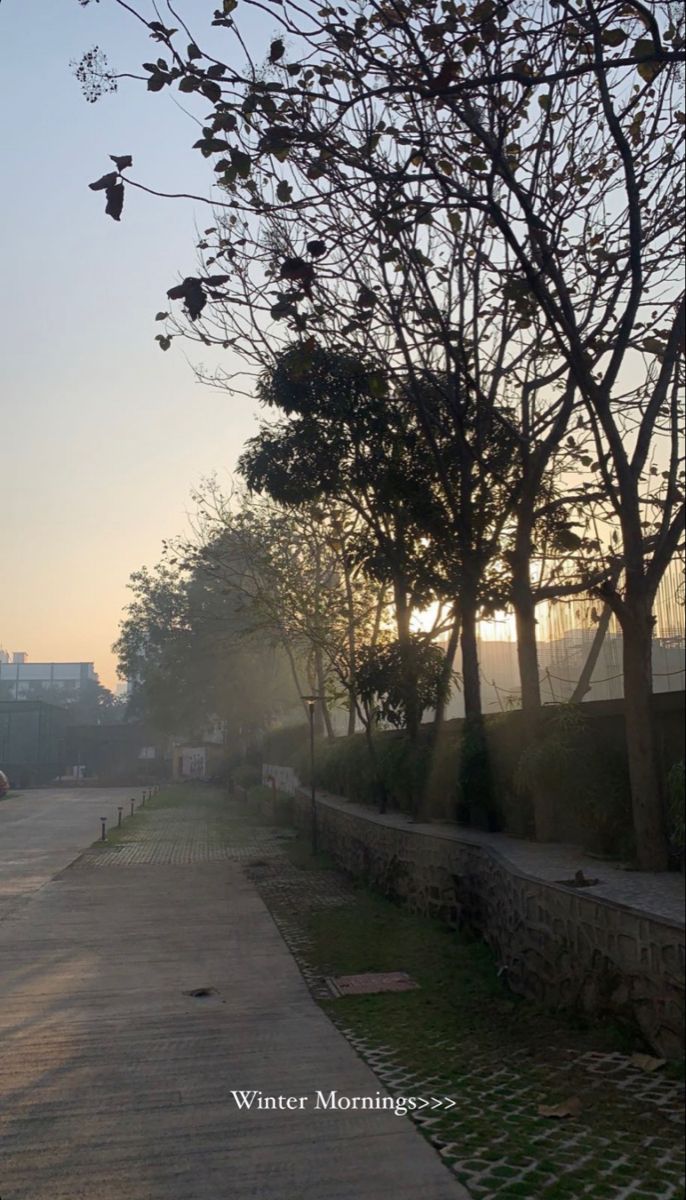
(57, 681)
(32, 742)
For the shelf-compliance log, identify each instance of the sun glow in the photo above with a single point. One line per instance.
(498, 628)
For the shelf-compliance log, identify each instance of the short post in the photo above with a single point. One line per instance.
(143, 799)
(311, 701)
(133, 805)
(103, 829)
(119, 813)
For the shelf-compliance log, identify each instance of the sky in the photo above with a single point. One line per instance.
(102, 435)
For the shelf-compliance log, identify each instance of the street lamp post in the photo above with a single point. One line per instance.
(311, 702)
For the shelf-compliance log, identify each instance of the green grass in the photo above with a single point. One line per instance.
(226, 825)
(300, 854)
(499, 1055)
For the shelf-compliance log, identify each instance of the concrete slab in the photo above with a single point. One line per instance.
(117, 1085)
(42, 830)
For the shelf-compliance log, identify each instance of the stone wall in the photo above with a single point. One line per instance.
(556, 945)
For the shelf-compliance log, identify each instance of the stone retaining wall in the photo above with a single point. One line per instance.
(556, 945)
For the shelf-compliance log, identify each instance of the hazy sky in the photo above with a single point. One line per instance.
(102, 435)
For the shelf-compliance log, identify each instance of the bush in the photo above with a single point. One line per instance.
(584, 779)
(505, 736)
(675, 809)
(246, 774)
(285, 746)
(280, 803)
(404, 771)
(476, 797)
(343, 767)
(488, 775)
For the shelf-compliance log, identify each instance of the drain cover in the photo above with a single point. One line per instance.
(370, 983)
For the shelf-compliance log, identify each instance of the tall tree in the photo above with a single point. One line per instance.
(557, 131)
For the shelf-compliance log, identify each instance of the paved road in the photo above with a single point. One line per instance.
(43, 830)
(118, 1083)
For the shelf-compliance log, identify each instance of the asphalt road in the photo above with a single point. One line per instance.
(43, 830)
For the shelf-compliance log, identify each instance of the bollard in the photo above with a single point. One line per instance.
(103, 829)
(133, 805)
(119, 813)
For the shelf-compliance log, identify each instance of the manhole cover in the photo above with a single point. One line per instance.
(370, 983)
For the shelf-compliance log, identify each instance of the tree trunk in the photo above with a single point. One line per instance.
(321, 689)
(382, 795)
(646, 798)
(352, 712)
(583, 683)
(527, 655)
(446, 674)
(352, 645)
(403, 614)
(527, 658)
(294, 672)
(525, 618)
(471, 684)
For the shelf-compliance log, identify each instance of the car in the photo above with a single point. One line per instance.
(4, 784)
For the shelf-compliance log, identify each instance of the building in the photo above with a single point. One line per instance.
(58, 682)
(200, 761)
(121, 753)
(32, 741)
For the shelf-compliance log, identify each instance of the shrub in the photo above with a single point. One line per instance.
(675, 808)
(403, 770)
(343, 767)
(504, 734)
(280, 803)
(475, 793)
(246, 774)
(583, 778)
(286, 745)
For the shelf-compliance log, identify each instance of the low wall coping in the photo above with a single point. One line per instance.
(649, 895)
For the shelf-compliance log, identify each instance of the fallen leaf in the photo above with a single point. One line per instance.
(568, 1108)
(646, 1062)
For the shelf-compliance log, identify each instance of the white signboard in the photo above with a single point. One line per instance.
(283, 778)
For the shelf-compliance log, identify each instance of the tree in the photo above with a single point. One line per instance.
(192, 660)
(293, 574)
(556, 131)
(345, 437)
